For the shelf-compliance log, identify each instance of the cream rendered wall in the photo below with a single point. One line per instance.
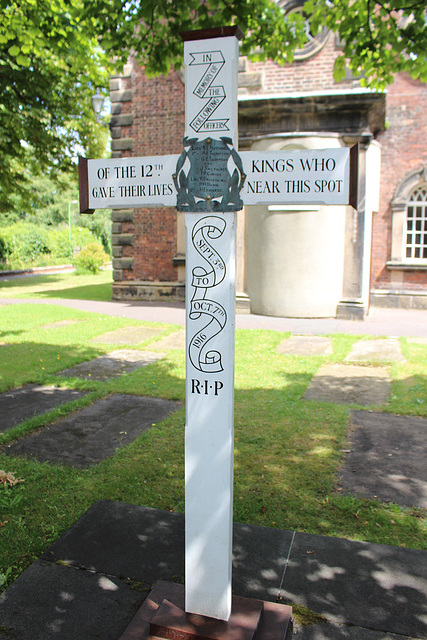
(295, 254)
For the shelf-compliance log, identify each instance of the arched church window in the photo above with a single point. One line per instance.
(409, 222)
(416, 224)
(315, 42)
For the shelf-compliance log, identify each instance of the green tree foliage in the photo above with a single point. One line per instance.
(26, 244)
(151, 29)
(49, 201)
(379, 39)
(52, 203)
(50, 62)
(54, 53)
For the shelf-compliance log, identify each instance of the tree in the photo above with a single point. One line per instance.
(380, 37)
(50, 62)
(54, 53)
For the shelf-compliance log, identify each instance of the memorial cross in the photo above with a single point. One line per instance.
(210, 181)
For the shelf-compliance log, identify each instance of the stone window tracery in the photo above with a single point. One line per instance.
(315, 42)
(416, 224)
(409, 222)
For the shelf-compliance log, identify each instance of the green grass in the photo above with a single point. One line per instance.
(60, 285)
(287, 451)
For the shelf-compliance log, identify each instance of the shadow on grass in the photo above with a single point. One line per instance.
(11, 333)
(73, 291)
(34, 362)
(95, 292)
(29, 280)
(287, 453)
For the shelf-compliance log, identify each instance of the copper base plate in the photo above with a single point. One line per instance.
(162, 616)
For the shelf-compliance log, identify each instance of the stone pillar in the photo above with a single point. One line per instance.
(354, 304)
(121, 238)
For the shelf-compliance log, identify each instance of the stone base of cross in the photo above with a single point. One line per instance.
(211, 181)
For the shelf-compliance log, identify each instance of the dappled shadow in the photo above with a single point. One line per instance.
(387, 458)
(50, 601)
(142, 544)
(35, 362)
(118, 539)
(367, 585)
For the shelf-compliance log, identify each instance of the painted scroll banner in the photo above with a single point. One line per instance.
(212, 313)
(210, 324)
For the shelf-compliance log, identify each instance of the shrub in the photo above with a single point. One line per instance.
(99, 223)
(23, 242)
(59, 241)
(91, 258)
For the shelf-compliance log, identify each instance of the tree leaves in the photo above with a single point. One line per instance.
(379, 39)
(50, 64)
(55, 53)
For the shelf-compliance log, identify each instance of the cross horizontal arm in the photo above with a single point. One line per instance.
(320, 176)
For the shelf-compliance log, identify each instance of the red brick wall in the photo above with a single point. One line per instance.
(157, 107)
(404, 150)
(312, 74)
(158, 128)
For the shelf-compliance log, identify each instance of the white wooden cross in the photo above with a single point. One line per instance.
(210, 181)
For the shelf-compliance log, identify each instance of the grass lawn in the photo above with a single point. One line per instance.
(59, 285)
(287, 451)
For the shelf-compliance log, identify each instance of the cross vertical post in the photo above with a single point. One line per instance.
(211, 182)
(211, 134)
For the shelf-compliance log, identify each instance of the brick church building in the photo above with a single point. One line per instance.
(296, 261)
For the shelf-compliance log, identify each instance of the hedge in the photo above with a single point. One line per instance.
(26, 244)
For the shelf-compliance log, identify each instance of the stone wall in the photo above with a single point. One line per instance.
(403, 151)
(148, 119)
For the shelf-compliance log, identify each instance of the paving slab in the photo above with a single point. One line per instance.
(366, 591)
(173, 341)
(331, 631)
(147, 544)
(88, 436)
(306, 346)
(372, 586)
(387, 458)
(128, 335)
(381, 350)
(112, 365)
(119, 539)
(259, 560)
(350, 384)
(26, 402)
(55, 602)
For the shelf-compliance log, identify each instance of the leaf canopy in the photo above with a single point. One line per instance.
(55, 53)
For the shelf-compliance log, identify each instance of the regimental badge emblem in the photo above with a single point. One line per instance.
(209, 176)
